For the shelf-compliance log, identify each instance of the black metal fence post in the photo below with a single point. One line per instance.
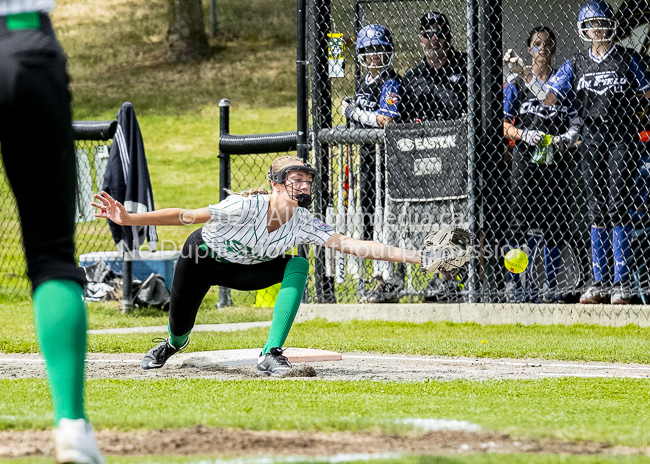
(490, 28)
(321, 90)
(473, 136)
(302, 107)
(224, 180)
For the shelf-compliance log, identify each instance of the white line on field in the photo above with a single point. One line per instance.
(503, 363)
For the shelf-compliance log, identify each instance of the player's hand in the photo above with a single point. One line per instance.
(111, 209)
(558, 143)
(532, 137)
(348, 107)
(515, 62)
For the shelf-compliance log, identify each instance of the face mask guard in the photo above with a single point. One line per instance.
(304, 200)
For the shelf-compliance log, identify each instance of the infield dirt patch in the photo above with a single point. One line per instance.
(202, 440)
(354, 366)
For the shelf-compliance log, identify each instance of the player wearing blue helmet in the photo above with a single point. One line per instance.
(377, 102)
(378, 95)
(606, 80)
(600, 12)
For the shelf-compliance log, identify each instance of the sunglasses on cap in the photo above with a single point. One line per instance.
(430, 33)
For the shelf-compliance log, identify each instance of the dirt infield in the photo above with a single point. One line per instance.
(354, 366)
(234, 442)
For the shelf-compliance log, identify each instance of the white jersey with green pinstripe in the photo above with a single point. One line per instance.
(8, 7)
(238, 233)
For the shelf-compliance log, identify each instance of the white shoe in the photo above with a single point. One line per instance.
(74, 442)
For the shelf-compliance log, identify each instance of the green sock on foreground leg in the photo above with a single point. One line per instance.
(287, 302)
(60, 319)
(177, 341)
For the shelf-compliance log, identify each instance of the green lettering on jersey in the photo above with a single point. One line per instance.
(235, 246)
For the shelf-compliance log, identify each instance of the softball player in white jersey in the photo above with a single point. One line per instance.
(243, 247)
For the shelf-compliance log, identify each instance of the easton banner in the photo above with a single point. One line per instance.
(427, 160)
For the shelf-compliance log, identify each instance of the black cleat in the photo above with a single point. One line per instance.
(273, 363)
(157, 356)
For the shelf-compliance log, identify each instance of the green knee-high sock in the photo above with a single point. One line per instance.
(177, 341)
(60, 319)
(287, 302)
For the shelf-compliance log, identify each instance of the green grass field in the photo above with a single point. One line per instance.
(611, 410)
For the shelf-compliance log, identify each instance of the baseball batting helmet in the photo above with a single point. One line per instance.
(375, 39)
(600, 11)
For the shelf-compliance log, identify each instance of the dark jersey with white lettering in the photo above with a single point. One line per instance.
(381, 94)
(432, 94)
(527, 112)
(605, 88)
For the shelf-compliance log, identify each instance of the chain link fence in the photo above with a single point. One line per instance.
(417, 123)
(92, 143)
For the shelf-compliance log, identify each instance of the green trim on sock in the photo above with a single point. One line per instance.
(21, 21)
(177, 341)
(60, 320)
(287, 302)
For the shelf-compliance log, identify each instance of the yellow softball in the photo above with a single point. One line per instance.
(515, 261)
(546, 140)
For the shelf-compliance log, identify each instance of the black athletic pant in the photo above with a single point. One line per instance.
(608, 167)
(38, 149)
(539, 197)
(196, 271)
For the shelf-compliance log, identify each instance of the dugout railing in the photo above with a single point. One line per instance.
(92, 142)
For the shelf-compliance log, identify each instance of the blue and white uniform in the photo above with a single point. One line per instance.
(381, 94)
(606, 91)
(377, 94)
(538, 191)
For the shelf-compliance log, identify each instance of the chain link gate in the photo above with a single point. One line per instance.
(92, 143)
(409, 103)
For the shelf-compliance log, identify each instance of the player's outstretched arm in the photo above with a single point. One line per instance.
(111, 209)
(368, 249)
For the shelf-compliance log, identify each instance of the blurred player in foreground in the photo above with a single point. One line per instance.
(539, 190)
(606, 80)
(377, 102)
(243, 247)
(38, 154)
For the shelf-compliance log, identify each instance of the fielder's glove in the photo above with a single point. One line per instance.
(515, 62)
(446, 250)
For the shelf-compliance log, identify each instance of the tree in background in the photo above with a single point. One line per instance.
(186, 38)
